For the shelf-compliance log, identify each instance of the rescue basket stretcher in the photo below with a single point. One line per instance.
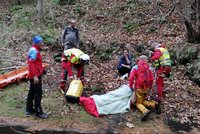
(15, 76)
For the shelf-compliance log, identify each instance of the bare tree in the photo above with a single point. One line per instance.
(40, 13)
(190, 13)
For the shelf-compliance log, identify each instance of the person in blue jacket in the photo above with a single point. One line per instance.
(125, 62)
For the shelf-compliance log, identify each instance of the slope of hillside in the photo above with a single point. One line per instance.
(106, 27)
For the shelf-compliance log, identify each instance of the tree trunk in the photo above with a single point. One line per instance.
(193, 26)
(191, 34)
(40, 14)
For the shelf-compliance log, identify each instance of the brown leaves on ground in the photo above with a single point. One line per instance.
(182, 99)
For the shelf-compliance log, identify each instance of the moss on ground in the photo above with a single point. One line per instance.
(13, 101)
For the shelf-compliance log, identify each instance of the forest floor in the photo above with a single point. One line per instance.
(176, 116)
(180, 109)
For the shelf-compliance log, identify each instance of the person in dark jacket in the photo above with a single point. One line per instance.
(35, 75)
(124, 65)
(70, 36)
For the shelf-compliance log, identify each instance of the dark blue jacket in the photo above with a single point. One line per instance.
(122, 60)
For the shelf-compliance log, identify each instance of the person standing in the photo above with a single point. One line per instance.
(35, 69)
(70, 36)
(162, 64)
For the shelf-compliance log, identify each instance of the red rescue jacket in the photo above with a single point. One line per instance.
(140, 79)
(34, 62)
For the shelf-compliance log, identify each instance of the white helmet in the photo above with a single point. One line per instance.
(85, 58)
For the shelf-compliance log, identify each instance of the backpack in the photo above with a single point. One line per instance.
(144, 74)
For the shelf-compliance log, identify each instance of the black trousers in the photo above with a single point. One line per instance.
(35, 94)
(124, 70)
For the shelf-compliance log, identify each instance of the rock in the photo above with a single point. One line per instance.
(184, 96)
(129, 125)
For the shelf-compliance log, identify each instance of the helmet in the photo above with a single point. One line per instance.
(85, 58)
(143, 57)
(37, 39)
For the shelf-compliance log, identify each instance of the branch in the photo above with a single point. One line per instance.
(7, 68)
(163, 16)
(12, 60)
(179, 11)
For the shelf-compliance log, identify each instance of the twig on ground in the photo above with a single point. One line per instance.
(7, 68)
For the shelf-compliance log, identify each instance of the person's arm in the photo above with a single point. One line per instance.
(63, 37)
(32, 66)
(156, 55)
(132, 78)
(120, 62)
(128, 59)
(78, 38)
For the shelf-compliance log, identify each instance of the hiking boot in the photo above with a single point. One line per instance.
(27, 113)
(158, 108)
(42, 115)
(145, 115)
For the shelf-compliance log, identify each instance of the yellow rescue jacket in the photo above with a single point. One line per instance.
(164, 60)
(73, 55)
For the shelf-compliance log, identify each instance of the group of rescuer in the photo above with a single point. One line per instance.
(140, 76)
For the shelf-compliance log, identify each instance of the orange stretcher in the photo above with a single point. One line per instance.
(15, 76)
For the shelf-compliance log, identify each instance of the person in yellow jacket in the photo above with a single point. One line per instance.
(162, 63)
(73, 58)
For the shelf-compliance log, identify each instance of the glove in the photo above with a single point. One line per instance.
(71, 78)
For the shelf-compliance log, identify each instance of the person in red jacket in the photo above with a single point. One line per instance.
(141, 79)
(35, 69)
(162, 65)
(73, 58)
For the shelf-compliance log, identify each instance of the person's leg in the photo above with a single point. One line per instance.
(150, 104)
(160, 83)
(167, 71)
(63, 77)
(30, 97)
(38, 95)
(139, 104)
(122, 71)
(80, 72)
(38, 98)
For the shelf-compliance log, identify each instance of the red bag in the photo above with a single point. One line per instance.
(144, 74)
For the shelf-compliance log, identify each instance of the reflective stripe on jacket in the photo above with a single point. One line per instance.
(164, 58)
(73, 55)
